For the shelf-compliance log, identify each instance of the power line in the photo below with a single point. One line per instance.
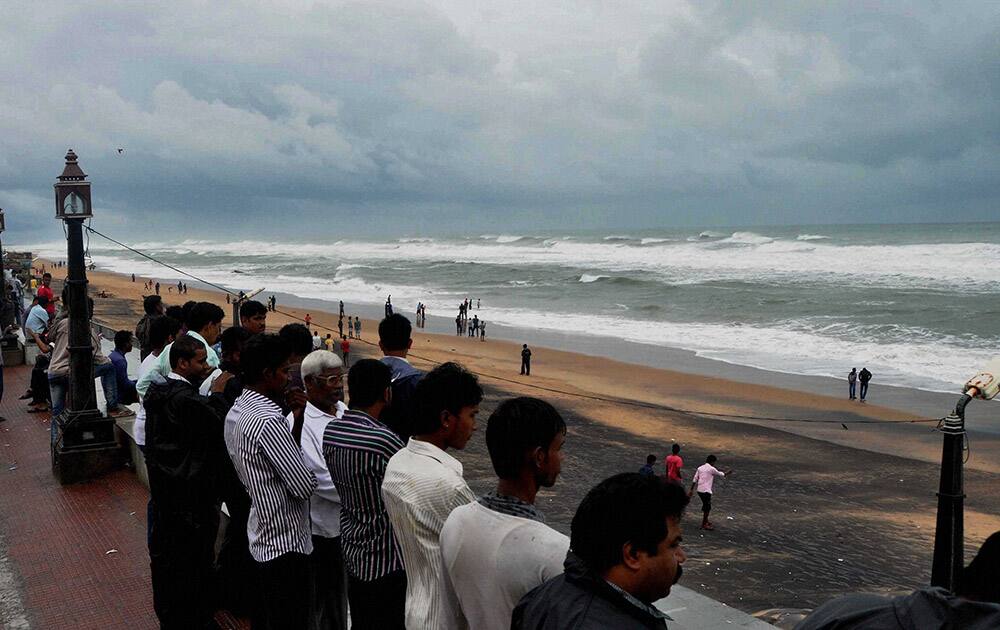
(606, 399)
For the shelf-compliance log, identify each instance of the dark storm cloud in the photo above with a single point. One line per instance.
(550, 113)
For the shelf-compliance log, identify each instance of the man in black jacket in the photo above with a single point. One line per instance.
(625, 554)
(185, 450)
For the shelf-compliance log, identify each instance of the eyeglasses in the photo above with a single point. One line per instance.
(335, 379)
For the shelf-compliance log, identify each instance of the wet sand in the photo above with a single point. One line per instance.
(814, 510)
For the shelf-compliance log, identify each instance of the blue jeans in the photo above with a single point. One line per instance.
(59, 384)
(850, 389)
(864, 390)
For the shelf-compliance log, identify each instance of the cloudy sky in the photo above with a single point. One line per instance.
(304, 119)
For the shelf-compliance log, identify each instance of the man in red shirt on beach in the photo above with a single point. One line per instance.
(345, 349)
(44, 290)
(674, 466)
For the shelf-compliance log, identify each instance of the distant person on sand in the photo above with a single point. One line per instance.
(482, 330)
(253, 316)
(317, 341)
(157, 288)
(341, 309)
(647, 468)
(458, 325)
(308, 319)
(525, 360)
(388, 306)
(703, 480)
(357, 327)
(328, 342)
(340, 327)
(674, 465)
(345, 351)
(350, 328)
(864, 376)
(852, 383)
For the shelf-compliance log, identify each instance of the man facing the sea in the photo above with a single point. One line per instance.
(423, 484)
(525, 360)
(852, 380)
(395, 340)
(497, 549)
(864, 376)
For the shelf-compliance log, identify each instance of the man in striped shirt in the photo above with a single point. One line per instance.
(423, 484)
(357, 448)
(269, 462)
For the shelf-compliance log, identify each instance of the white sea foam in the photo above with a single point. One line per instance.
(748, 238)
(588, 278)
(618, 237)
(811, 237)
(653, 241)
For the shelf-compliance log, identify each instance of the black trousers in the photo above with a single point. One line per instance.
(40, 380)
(181, 546)
(237, 569)
(330, 579)
(379, 604)
(526, 366)
(286, 593)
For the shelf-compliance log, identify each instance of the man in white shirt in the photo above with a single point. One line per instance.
(323, 377)
(499, 548)
(317, 340)
(703, 480)
(423, 484)
(160, 333)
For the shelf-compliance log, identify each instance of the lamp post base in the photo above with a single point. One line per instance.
(84, 447)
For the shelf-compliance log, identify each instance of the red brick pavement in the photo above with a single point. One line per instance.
(59, 540)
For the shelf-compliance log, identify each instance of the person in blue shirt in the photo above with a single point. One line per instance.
(126, 386)
(648, 468)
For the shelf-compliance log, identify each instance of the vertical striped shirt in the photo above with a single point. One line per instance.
(270, 464)
(357, 449)
(422, 485)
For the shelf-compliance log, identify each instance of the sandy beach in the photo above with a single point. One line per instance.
(813, 510)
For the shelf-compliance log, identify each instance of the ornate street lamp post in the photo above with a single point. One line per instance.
(85, 445)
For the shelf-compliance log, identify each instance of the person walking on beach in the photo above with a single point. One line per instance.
(674, 465)
(852, 380)
(308, 319)
(703, 480)
(341, 309)
(864, 376)
(345, 351)
(357, 327)
(498, 548)
(525, 360)
(388, 306)
(157, 288)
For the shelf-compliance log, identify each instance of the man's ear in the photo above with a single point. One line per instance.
(409, 344)
(538, 457)
(630, 556)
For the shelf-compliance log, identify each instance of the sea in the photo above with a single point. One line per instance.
(919, 305)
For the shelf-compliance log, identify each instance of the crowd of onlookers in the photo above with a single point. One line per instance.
(275, 495)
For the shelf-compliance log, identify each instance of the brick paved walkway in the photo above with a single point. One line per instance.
(76, 555)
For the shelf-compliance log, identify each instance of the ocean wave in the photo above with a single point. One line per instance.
(748, 238)
(588, 278)
(415, 239)
(618, 237)
(710, 234)
(811, 237)
(653, 241)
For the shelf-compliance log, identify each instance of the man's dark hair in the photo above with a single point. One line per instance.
(676, 448)
(203, 314)
(47, 275)
(262, 352)
(298, 338)
(981, 579)
(234, 338)
(650, 458)
(42, 301)
(122, 338)
(517, 426)
(449, 387)
(711, 459)
(151, 303)
(161, 329)
(252, 308)
(625, 508)
(187, 308)
(184, 347)
(177, 312)
(367, 381)
(394, 332)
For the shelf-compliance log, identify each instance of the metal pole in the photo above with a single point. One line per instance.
(81, 395)
(949, 537)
